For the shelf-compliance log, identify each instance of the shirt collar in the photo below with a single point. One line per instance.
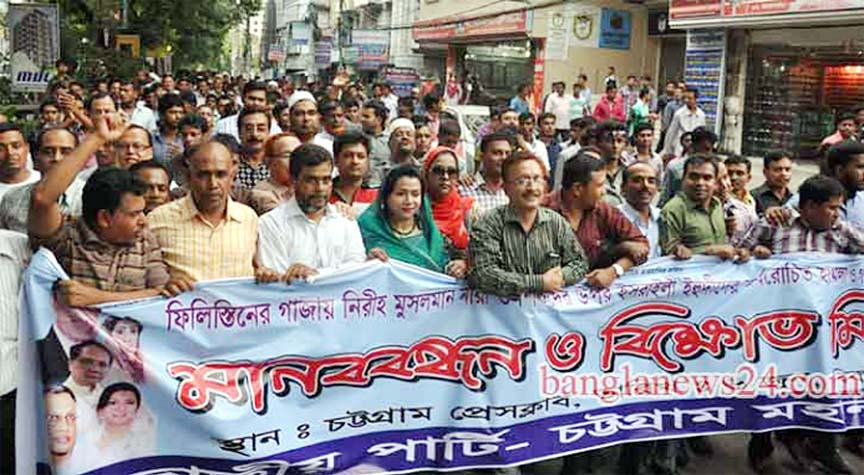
(188, 210)
(89, 236)
(653, 211)
(695, 205)
(510, 215)
(764, 189)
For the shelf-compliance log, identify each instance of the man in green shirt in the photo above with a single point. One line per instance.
(694, 220)
(522, 247)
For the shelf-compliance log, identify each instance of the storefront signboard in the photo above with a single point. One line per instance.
(715, 13)
(508, 24)
(373, 48)
(35, 45)
(679, 9)
(585, 31)
(323, 50)
(615, 29)
(771, 7)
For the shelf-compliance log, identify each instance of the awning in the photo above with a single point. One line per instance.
(482, 24)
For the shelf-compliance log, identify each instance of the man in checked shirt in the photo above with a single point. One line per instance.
(816, 228)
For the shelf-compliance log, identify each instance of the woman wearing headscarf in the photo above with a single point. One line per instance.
(449, 210)
(399, 223)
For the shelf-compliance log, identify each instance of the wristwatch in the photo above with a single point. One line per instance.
(619, 271)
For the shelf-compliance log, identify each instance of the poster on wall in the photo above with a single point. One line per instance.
(585, 30)
(34, 43)
(704, 64)
(558, 39)
(615, 29)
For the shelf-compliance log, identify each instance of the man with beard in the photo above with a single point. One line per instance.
(402, 144)
(254, 129)
(352, 161)
(307, 234)
(305, 120)
(488, 187)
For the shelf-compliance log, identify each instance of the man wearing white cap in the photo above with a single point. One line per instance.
(401, 143)
(305, 120)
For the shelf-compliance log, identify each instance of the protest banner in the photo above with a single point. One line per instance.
(387, 367)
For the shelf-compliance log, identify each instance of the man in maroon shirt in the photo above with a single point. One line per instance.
(610, 241)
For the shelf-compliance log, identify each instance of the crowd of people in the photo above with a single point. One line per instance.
(143, 186)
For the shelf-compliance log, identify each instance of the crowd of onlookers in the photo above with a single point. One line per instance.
(143, 186)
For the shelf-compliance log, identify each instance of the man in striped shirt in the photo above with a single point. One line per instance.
(487, 187)
(109, 253)
(817, 228)
(522, 247)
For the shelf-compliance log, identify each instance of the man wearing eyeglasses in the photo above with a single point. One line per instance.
(522, 247)
(62, 423)
(88, 365)
(134, 146)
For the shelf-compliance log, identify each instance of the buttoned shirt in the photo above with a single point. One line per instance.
(14, 254)
(852, 210)
(15, 205)
(144, 117)
(605, 110)
(650, 228)
(538, 149)
(798, 236)
(601, 229)
(379, 158)
(509, 261)
(654, 161)
(107, 266)
(197, 249)
(249, 176)
(485, 199)
(765, 198)
(684, 120)
(560, 106)
(687, 222)
(161, 149)
(286, 236)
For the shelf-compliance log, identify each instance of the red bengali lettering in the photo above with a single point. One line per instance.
(781, 329)
(846, 327)
(565, 353)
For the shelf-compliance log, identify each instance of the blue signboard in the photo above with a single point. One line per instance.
(615, 29)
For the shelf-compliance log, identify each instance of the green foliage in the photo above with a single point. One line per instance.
(193, 30)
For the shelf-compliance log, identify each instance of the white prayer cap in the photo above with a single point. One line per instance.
(400, 123)
(300, 96)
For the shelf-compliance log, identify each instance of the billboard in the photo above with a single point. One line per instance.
(34, 39)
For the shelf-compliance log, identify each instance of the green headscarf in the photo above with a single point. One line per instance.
(377, 232)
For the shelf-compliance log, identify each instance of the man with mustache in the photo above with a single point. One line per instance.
(522, 247)
(352, 161)
(306, 121)
(307, 234)
(693, 221)
(62, 423)
(254, 130)
(88, 364)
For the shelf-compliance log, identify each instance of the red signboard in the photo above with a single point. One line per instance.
(772, 7)
(509, 24)
(679, 9)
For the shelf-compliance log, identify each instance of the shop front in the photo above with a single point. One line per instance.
(496, 49)
(798, 64)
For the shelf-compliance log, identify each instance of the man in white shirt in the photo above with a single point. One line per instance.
(89, 362)
(685, 119)
(306, 234)
(306, 121)
(639, 187)
(255, 96)
(14, 254)
(559, 103)
(527, 140)
(14, 151)
(139, 114)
